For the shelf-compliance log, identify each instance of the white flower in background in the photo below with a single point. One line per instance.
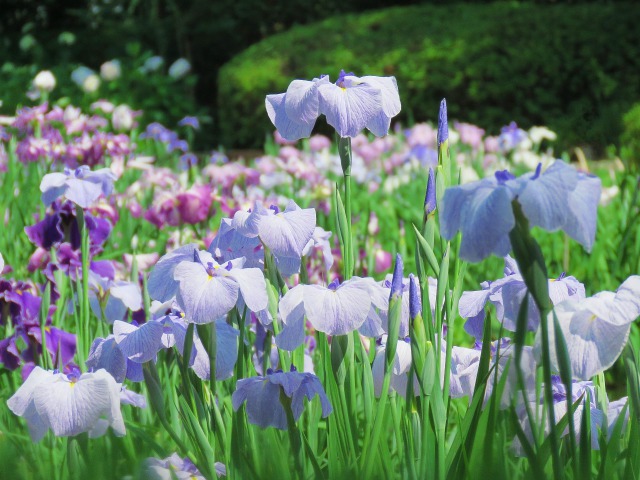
(1, 264)
(44, 81)
(122, 118)
(608, 194)
(538, 134)
(91, 83)
(110, 70)
(179, 68)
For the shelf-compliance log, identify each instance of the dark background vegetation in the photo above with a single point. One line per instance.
(571, 65)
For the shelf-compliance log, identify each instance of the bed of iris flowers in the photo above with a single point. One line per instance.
(423, 302)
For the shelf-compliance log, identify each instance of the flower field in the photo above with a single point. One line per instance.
(423, 301)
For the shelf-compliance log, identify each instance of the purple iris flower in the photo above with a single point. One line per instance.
(559, 198)
(176, 467)
(335, 310)
(192, 122)
(596, 329)
(262, 395)
(106, 354)
(507, 294)
(142, 343)
(510, 137)
(349, 105)
(285, 233)
(230, 244)
(560, 407)
(69, 404)
(81, 186)
(208, 290)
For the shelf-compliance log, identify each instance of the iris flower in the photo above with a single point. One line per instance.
(350, 105)
(262, 395)
(69, 404)
(81, 186)
(558, 199)
(596, 329)
(286, 233)
(175, 467)
(335, 310)
(507, 294)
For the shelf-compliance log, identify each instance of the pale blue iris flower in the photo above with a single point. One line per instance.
(82, 186)
(262, 395)
(595, 329)
(69, 404)
(558, 199)
(204, 289)
(140, 344)
(335, 310)
(285, 233)
(350, 105)
(507, 294)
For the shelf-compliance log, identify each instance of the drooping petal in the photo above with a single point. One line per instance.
(483, 213)
(544, 199)
(583, 204)
(161, 284)
(288, 128)
(105, 354)
(337, 312)
(263, 402)
(204, 298)
(82, 192)
(348, 110)
(129, 293)
(291, 309)
(252, 287)
(139, 344)
(301, 101)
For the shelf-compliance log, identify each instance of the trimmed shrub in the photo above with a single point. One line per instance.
(574, 68)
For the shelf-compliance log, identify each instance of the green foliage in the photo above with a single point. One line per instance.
(571, 67)
(630, 138)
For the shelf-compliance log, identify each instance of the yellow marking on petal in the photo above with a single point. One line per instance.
(72, 384)
(209, 278)
(593, 318)
(47, 329)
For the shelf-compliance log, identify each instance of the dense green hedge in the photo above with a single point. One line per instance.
(575, 68)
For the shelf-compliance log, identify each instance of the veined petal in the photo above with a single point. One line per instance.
(301, 101)
(389, 90)
(129, 293)
(544, 200)
(71, 408)
(337, 312)
(161, 284)
(583, 205)
(82, 192)
(252, 287)
(105, 354)
(139, 344)
(291, 309)
(204, 298)
(288, 129)
(348, 110)
(287, 233)
(473, 302)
